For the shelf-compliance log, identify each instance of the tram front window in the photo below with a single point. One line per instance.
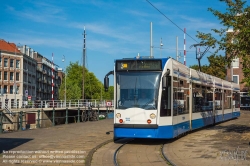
(137, 89)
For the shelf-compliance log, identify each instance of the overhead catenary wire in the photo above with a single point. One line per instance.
(171, 20)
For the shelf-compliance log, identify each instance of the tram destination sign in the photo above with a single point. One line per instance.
(125, 65)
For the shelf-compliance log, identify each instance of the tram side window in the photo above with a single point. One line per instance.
(218, 99)
(236, 100)
(180, 96)
(165, 109)
(197, 98)
(202, 98)
(227, 99)
(208, 100)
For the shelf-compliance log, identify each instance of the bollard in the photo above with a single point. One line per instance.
(1, 122)
(78, 117)
(98, 111)
(21, 120)
(38, 119)
(53, 116)
(66, 121)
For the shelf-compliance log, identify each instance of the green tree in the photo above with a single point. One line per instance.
(215, 68)
(236, 43)
(203, 68)
(93, 88)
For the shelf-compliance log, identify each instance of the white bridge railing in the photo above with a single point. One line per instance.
(59, 104)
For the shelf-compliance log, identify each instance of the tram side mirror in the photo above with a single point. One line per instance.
(106, 83)
(164, 82)
(165, 79)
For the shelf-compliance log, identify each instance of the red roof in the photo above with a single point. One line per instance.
(10, 47)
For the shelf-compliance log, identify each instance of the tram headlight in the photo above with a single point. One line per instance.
(118, 115)
(148, 121)
(152, 116)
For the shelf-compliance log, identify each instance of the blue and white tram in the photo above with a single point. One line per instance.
(178, 99)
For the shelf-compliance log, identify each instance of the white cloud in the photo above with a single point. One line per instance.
(40, 12)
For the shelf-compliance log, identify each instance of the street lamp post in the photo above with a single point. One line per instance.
(27, 86)
(64, 82)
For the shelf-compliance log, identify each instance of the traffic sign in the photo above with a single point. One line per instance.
(109, 103)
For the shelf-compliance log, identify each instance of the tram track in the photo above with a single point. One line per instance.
(140, 151)
(130, 152)
(169, 162)
(116, 152)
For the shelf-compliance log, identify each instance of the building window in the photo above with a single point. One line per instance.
(17, 64)
(5, 62)
(236, 79)
(11, 76)
(11, 89)
(5, 75)
(235, 63)
(17, 76)
(5, 89)
(12, 63)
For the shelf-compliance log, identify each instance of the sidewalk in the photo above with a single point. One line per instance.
(224, 144)
(227, 143)
(70, 143)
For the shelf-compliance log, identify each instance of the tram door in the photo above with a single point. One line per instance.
(180, 102)
(175, 98)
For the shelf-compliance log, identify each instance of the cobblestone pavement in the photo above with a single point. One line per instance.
(224, 144)
(70, 143)
(227, 143)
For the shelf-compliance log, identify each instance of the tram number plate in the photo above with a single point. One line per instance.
(127, 119)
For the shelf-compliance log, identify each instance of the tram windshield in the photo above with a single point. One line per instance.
(137, 89)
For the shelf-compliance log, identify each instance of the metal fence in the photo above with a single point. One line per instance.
(55, 103)
(43, 119)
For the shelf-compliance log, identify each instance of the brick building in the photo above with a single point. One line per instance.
(236, 75)
(26, 72)
(235, 72)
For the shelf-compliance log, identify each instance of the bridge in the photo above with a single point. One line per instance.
(47, 113)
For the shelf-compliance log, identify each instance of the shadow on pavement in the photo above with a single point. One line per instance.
(10, 143)
(237, 128)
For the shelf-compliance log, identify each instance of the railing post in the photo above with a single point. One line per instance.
(1, 121)
(88, 112)
(107, 113)
(66, 121)
(21, 120)
(78, 115)
(98, 109)
(53, 116)
(38, 119)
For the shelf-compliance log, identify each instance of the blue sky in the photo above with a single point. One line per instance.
(115, 28)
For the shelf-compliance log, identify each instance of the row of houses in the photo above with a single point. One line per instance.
(26, 75)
